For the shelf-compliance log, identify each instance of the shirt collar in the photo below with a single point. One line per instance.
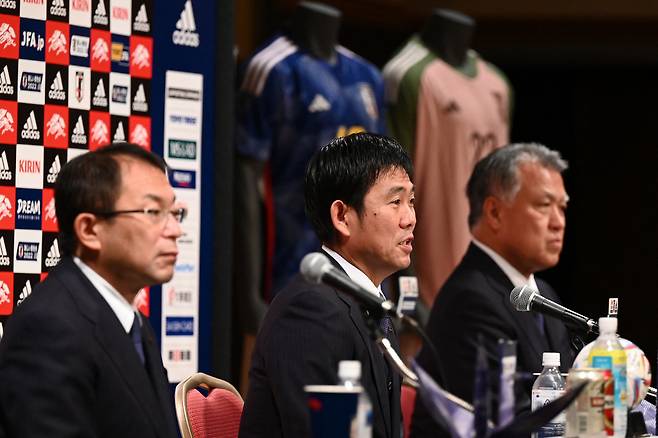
(512, 273)
(119, 305)
(355, 273)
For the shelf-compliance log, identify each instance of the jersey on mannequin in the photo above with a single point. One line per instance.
(300, 90)
(314, 27)
(449, 108)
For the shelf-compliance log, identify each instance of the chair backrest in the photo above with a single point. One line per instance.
(216, 415)
(407, 401)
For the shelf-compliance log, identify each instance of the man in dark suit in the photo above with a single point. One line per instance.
(517, 203)
(360, 200)
(76, 359)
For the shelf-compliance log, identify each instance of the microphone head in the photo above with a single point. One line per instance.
(313, 266)
(521, 297)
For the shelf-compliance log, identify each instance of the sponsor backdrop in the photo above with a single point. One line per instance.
(78, 74)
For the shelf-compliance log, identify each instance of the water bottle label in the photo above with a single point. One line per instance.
(556, 427)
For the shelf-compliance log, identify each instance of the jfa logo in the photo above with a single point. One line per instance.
(33, 39)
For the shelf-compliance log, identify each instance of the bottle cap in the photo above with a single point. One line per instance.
(349, 369)
(550, 359)
(608, 324)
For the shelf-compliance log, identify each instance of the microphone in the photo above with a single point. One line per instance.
(525, 298)
(317, 268)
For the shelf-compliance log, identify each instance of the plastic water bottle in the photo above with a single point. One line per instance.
(608, 353)
(549, 386)
(349, 374)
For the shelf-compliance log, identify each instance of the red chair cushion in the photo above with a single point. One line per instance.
(214, 416)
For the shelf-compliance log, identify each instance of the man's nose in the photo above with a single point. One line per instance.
(558, 218)
(408, 219)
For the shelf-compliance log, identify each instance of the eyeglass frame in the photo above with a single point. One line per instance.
(179, 213)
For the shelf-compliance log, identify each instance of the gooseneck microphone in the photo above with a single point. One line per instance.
(317, 268)
(525, 298)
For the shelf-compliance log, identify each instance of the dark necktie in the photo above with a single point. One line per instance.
(386, 324)
(136, 335)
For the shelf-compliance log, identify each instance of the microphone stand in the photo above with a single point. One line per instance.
(392, 357)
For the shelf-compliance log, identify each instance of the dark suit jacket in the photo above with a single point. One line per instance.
(475, 299)
(68, 368)
(308, 329)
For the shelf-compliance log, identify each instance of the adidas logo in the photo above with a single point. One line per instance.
(27, 290)
(30, 128)
(100, 14)
(53, 255)
(8, 4)
(57, 8)
(319, 104)
(100, 98)
(139, 102)
(56, 126)
(56, 91)
(5, 171)
(5, 82)
(7, 35)
(141, 23)
(4, 256)
(119, 134)
(6, 121)
(99, 133)
(79, 136)
(185, 33)
(53, 172)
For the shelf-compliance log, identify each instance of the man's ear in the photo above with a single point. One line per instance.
(340, 217)
(492, 212)
(86, 228)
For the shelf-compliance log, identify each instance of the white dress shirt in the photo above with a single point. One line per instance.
(119, 305)
(517, 279)
(355, 274)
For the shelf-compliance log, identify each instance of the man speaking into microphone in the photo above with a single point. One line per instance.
(359, 199)
(517, 205)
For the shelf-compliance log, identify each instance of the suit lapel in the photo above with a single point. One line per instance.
(377, 365)
(525, 322)
(113, 339)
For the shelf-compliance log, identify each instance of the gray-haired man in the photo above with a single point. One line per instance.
(517, 218)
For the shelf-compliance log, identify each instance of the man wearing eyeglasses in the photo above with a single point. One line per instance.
(76, 359)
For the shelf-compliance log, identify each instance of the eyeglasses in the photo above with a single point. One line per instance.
(157, 216)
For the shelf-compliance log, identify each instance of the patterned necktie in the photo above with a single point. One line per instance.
(386, 324)
(136, 335)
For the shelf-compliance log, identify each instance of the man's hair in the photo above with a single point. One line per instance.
(91, 183)
(345, 170)
(497, 173)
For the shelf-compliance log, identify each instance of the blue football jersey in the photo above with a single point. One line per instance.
(291, 104)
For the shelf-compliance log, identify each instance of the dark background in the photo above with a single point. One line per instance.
(585, 79)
